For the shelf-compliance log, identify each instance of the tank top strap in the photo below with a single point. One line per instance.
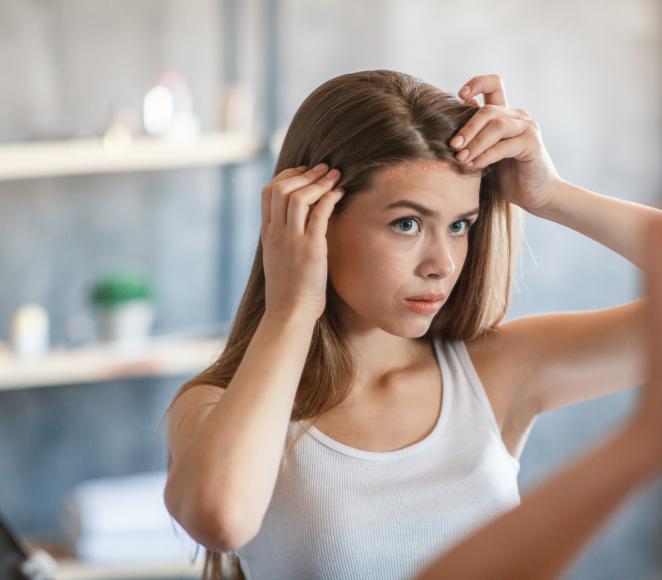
(469, 385)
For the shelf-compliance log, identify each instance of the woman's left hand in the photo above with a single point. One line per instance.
(511, 139)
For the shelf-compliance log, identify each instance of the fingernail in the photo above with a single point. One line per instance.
(457, 141)
(320, 167)
(466, 89)
(463, 154)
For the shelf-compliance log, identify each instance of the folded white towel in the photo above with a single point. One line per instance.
(142, 548)
(124, 519)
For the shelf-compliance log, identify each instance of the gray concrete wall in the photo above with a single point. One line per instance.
(588, 72)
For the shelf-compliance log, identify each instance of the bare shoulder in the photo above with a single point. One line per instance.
(187, 412)
(497, 358)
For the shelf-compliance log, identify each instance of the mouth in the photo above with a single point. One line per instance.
(424, 306)
(428, 297)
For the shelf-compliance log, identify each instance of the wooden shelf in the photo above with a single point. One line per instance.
(75, 570)
(160, 356)
(86, 156)
(71, 568)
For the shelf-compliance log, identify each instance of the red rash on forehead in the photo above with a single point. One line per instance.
(404, 169)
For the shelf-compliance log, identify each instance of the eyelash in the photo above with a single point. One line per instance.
(468, 223)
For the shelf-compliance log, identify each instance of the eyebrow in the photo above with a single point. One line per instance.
(424, 210)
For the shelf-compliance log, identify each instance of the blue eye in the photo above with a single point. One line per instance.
(467, 223)
(406, 220)
(409, 219)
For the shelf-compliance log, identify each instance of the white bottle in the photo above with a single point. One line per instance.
(30, 331)
(168, 110)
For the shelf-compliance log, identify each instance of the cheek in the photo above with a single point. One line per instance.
(365, 270)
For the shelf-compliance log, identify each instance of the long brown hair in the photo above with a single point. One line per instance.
(363, 122)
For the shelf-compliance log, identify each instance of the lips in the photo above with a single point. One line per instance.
(428, 297)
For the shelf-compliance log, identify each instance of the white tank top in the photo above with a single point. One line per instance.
(338, 512)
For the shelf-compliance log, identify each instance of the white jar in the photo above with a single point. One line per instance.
(30, 331)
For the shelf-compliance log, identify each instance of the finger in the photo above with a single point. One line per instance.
(288, 172)
(474, 125)
(516, 148)
(266, 191)
(653, 283)
(522, 113)
(300, 201)
(495, 130)
(319, 216)
(281, 190)
(490, 86)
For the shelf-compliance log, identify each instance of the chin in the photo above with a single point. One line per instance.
(408, 329)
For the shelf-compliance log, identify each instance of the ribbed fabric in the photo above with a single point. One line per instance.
(343, 513)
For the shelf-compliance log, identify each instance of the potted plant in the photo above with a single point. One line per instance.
(124, 301)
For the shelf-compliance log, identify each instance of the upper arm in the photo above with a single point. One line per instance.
(564, 358)
(186, 414)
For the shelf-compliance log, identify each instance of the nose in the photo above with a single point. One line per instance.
(440, 262)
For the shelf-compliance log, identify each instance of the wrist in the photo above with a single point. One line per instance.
(548, 205)
(297, 319)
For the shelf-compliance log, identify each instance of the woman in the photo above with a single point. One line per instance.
(369, 407)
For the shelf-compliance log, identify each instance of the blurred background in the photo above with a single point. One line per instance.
(135, 138)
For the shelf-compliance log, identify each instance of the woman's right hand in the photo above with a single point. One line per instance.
(296, 206)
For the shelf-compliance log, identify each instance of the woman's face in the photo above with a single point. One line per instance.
(381, 253)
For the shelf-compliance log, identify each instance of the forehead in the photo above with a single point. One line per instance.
(431, 181)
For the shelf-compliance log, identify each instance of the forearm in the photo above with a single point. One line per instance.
(613, 222)
(228, 473)
(539, 538)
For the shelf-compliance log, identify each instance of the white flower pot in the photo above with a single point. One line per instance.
(130, 321)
